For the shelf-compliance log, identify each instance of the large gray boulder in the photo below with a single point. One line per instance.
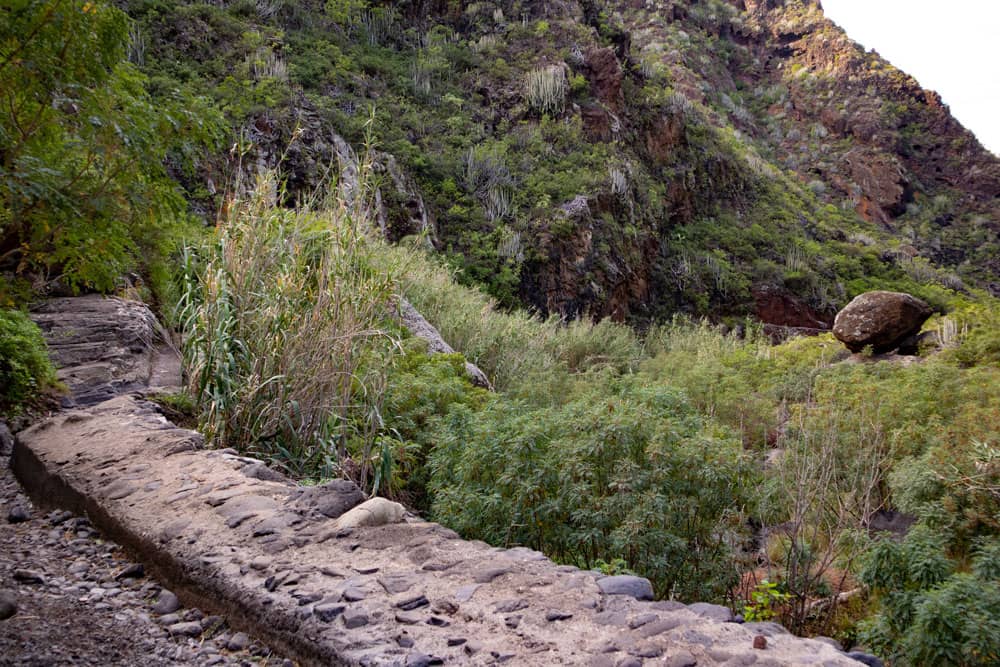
(882, 320)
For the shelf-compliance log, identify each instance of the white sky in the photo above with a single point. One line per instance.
(952, 47)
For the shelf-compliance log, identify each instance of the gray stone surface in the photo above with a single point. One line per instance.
(102, 346)
(623, 584)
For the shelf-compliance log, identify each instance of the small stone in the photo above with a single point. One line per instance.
(60, 517)
(408, 618)
(456, 641)
(186, 629)
(651, 651)
(396, 583)
(473, 647)
(355, 618)
(167, 603)
(681, 659)
(28, 577)
(18, 514)
(556, 615)
(411, 603)
(417, 660)
(629, 662)
(328, 612)
(642, 619)
(405, 641)
(212, 623)
(309, 598)
(509, 606)
(713, 611)
(446, 607)
(513, 621)
(260, 563)
(132, 571)
(865, 658)
(8, 603)
(438, 622)
(169, 619)
(465, 593)
(354, 594)
(760, 642)
(488, 575)
(624, 584)
(238, 642)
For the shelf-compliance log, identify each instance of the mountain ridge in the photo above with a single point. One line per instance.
(722, 149)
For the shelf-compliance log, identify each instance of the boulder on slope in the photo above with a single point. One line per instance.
(882, 320)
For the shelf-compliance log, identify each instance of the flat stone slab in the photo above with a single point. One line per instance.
(251, 550)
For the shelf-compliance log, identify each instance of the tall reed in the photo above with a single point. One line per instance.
(287, 327)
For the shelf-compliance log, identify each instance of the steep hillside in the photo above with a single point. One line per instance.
(622, 159)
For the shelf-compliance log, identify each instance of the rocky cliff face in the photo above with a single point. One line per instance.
(622, 158)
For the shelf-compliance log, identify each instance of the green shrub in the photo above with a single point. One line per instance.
(932, 613)
(621, 470)
(420, 389)
(25, 369)
(84, 195)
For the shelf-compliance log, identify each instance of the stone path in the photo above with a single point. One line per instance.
(298, 567)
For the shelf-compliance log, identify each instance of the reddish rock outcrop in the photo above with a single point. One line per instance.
(777, 306)
(605, 76)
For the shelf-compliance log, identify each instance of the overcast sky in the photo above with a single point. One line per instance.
(952, 47)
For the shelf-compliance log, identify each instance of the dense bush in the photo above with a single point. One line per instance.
(25, 369)
(932, 612)
(621, 470)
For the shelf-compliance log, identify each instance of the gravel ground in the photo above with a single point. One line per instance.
(77, 599)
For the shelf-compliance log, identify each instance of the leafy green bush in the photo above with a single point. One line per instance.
(621, 470)
(932, 612)
(420, 389)
(25, 369)
(84, 195)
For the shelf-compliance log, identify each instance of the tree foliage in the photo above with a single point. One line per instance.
(83, 190)
(25, 369)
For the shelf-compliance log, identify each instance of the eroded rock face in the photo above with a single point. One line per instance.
(101, 345)
(777, 306)
(882, 320)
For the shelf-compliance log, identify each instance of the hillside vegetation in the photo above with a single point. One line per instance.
(610, 208)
